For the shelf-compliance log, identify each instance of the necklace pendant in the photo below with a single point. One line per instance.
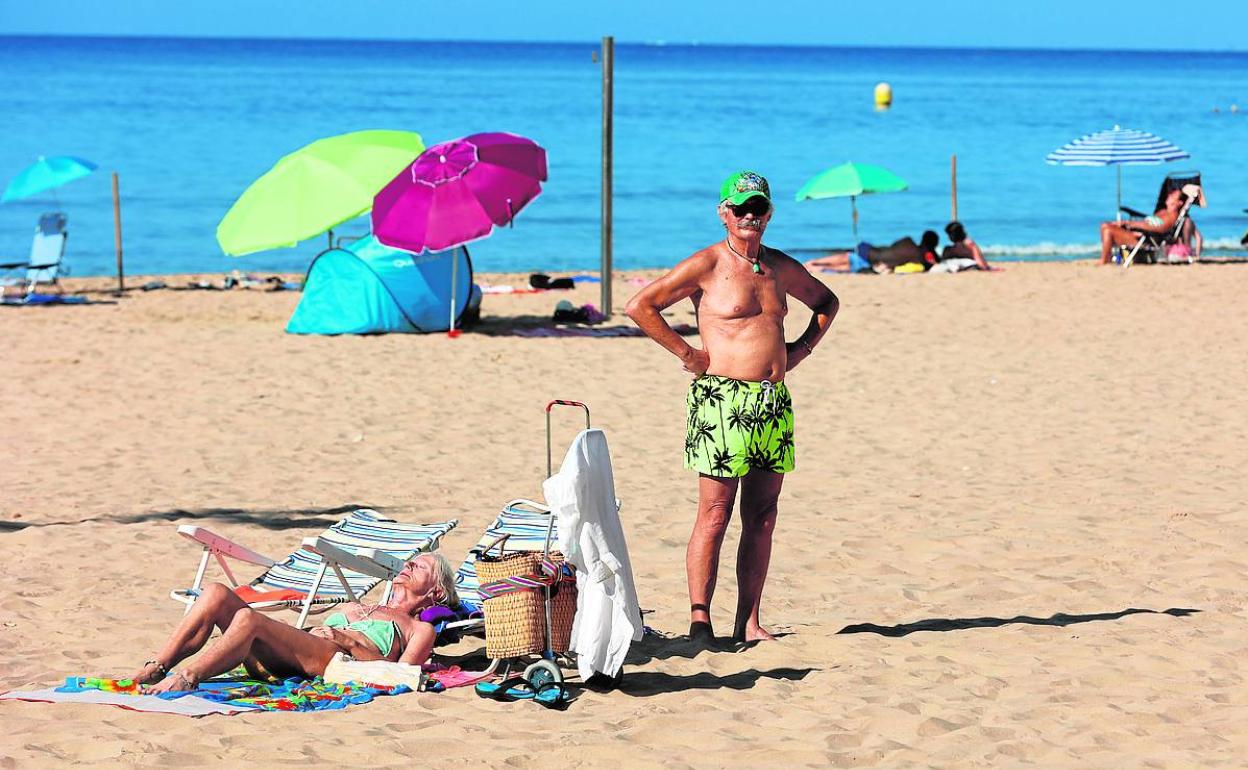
(758, 269)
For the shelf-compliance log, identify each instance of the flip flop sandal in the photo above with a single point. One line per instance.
(553, 695)
(506, 691)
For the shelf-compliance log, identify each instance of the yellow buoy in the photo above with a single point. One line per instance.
(883, 96)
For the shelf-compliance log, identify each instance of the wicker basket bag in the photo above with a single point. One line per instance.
(515, 608)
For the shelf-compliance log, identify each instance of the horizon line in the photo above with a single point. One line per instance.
(595, 42)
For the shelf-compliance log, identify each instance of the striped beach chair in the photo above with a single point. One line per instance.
(359, 552)
(524, 523)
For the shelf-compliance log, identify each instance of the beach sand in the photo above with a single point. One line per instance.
(1015, 536)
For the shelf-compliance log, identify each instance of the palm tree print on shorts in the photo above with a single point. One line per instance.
(735, 426)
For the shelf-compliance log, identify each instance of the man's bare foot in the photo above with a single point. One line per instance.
(753, 634)
(177, 681)
(152, 671)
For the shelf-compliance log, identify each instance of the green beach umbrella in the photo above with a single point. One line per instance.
(315, 188)
(851, 180)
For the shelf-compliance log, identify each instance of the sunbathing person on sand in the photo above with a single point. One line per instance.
(962, 248)
(1127, 232)
(882, 259)
(389, 631)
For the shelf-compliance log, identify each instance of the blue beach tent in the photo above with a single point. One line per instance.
(369, 288)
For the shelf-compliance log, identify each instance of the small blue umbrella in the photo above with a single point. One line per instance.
(45, 174)
(1116, 147)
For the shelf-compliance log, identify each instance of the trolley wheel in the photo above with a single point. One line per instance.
(542, 672)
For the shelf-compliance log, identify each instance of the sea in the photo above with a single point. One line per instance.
(188, 124)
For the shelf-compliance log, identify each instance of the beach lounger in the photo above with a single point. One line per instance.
(47, 251)
(1153, 247)
(524, 523)
(359, 552)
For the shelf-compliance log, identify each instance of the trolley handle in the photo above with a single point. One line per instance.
(550, 468)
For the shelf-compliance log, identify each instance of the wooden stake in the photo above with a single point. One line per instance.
(121, 273)
(953, 175)
(608, 105)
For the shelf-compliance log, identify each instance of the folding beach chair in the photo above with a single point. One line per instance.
(524, 523)
(362, 550)
(1153, 247)
(47, 251)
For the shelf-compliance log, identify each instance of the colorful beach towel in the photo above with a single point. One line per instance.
(215, 696)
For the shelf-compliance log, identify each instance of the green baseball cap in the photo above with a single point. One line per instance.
(742, 186)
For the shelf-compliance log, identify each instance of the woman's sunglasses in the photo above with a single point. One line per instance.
(758, 206)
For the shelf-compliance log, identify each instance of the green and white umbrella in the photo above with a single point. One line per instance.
(851, 180)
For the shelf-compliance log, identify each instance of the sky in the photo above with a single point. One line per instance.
(1207, 25)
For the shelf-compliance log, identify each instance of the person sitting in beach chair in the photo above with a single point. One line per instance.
(885, 259)
(1149, 236)
(47, 251)
(1183, 241)
(344, 562)
(962, 253)
(391, 630)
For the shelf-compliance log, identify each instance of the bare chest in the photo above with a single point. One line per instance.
(735, 291)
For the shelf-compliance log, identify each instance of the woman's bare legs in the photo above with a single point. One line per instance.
(1113, 234)
(214, 609)
(838, 260)
(278, 647)
(715, 499)
(760, 492)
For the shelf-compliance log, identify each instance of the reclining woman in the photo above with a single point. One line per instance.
(882, 259)
(390, 631)
(1127, 232)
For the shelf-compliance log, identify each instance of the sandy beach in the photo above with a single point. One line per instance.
(1014, 537)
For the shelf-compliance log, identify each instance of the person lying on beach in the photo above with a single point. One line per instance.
(882, 259)
(1127, 232)
(962, 248)
(389, 631)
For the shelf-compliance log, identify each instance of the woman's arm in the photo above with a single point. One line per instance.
(420, 646)
(977, 254)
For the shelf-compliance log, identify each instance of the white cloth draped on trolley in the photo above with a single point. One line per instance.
(582, 495)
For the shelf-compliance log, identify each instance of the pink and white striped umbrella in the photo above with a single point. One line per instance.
(457, 191)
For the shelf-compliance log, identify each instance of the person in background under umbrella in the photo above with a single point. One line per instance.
(739, 431)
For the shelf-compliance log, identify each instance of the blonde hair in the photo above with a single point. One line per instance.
(445, 573)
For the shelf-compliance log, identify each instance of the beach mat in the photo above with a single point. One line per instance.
(188, 706)
(50, 299)
(228, 696)
(577, 331)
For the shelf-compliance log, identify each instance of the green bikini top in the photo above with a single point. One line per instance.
(379, 632)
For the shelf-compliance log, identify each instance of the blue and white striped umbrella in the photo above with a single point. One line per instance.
(1117, 146)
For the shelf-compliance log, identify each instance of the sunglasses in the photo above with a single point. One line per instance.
(758, 206)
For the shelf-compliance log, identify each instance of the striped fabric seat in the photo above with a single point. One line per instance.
(364, 528)
(526, 523)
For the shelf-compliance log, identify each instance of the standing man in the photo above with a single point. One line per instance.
(740, 415)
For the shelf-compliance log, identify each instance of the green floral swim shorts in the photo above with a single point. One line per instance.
(736, 426)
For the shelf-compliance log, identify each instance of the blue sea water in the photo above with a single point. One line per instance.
(189, 123)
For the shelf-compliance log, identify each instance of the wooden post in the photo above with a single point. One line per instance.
(953, 176)
(121, 273)
(608, 104)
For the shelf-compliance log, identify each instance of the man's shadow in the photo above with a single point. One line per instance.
(960, 624)
(643, 684)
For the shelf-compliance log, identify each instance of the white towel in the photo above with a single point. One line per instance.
(582, 495)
